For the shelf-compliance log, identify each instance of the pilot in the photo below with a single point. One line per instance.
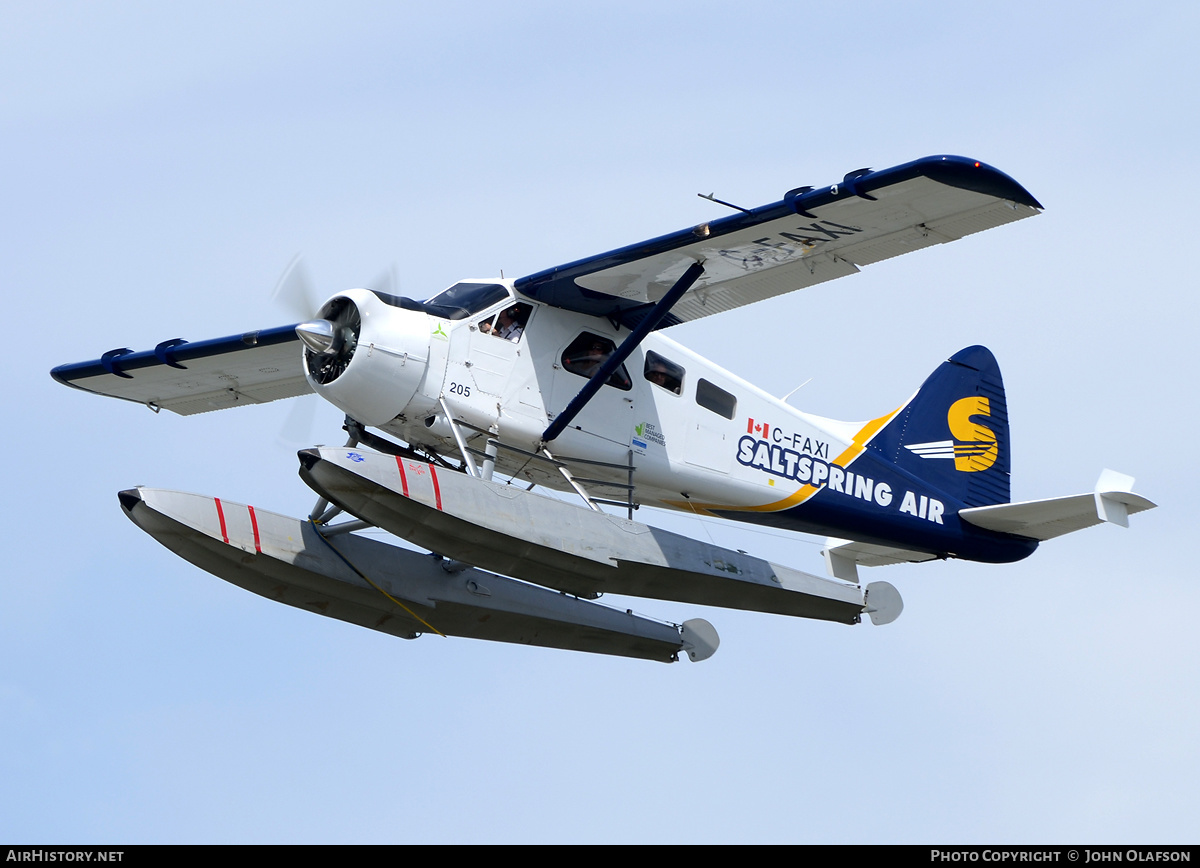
(507, 326)
(510, 324)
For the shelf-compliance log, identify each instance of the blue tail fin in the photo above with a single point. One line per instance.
(954, 431)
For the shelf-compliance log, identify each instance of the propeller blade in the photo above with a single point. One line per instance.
(296, 291)
(300, 423)
(387, 281)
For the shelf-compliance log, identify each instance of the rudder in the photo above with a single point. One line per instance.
(954, 431)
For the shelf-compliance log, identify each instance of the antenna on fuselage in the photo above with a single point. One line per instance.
(795, 390)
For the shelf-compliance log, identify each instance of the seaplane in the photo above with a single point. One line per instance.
(512, 429)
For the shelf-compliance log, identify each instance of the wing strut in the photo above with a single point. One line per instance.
(647, 325)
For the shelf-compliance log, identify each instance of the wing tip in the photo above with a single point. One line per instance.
(977, 176)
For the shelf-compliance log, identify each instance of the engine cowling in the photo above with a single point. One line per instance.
(365, 356)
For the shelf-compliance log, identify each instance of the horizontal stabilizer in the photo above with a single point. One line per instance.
(393, 590)
(843, 557)
(1112, 501)
(560, 545)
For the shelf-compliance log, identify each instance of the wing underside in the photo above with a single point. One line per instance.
(187, 378)
(808, 238)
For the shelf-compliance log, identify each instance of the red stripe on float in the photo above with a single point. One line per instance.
(403, 478)
(221, 518)
(437, 492)
(254, 525)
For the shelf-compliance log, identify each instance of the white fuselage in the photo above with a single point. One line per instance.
(686, 437)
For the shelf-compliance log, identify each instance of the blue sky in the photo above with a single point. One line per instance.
(164, 163)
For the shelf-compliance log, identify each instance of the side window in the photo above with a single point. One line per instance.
(715, 398)
(587, 353)
(663, 372)
(509, 323)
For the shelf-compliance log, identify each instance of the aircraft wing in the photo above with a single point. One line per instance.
(811, 236)
(196, 377)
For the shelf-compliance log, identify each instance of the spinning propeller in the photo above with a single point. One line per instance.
(331, 336)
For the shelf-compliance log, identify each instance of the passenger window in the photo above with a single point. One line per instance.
(715, 398)
(663, 372)
(587, 353)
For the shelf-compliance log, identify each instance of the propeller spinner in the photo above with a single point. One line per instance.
(329, 341)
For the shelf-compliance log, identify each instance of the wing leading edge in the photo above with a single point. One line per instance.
(811, 236)
(196, 377)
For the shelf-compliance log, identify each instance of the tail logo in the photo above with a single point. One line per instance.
(974, 446)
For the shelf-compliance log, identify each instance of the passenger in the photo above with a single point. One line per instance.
(588, 364)
(658, 373)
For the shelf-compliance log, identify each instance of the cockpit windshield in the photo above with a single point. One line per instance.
(464, 299)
